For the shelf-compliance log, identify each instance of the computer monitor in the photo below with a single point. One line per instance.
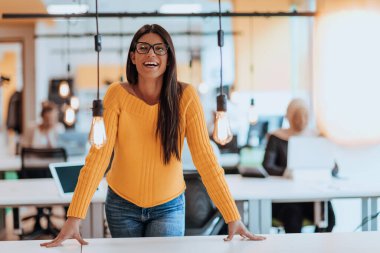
(310, 153)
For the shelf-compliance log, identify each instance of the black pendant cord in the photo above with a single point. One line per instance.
(251, 52)
(68, 52)
(97, 70)
(97, 110)
(221, 99)
(220, 44)
(96, 47)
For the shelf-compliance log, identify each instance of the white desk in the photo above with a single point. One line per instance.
(43, 192)
(70, 246)
(364, 242)
(13, 162)
(260, 193)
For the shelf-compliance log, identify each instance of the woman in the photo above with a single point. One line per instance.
(147, 120)
(275, 162)
(45, 134)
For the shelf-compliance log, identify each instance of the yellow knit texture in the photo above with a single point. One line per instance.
(138, 173)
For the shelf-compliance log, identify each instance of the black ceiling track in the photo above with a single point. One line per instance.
(157, 15)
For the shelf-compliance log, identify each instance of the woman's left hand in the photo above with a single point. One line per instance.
(237, 227)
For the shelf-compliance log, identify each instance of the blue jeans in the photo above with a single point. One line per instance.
(125, 219)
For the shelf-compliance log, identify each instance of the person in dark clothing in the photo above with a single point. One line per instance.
(275, 163)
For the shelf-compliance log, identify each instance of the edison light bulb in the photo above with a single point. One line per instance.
(64, 89)
(98, 133)
(222, 131)
(74, 103)
(253, 116)
(69, 117)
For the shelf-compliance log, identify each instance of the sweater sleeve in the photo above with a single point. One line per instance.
(97, 160)
(205, 161)
(270, 157)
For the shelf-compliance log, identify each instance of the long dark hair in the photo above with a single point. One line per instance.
(168, 124)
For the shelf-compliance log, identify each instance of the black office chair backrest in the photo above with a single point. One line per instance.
(199, 207)
(35, 161)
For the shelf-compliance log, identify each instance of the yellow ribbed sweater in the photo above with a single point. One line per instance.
(138, 173)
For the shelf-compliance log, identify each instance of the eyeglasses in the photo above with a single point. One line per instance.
(158, 48)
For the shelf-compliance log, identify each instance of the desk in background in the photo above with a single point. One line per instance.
(260, 193)
(13, 162)
(44, 192)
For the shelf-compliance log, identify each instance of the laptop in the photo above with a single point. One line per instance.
(310, 153)
(75, 143)
(65, 176)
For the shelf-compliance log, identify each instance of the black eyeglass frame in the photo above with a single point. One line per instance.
(152, 46)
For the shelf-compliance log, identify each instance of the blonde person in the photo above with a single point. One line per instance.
(275, 162)
(147, 120)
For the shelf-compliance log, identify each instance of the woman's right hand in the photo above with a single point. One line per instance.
(70, 230)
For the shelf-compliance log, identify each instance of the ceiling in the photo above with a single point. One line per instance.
(20, 6)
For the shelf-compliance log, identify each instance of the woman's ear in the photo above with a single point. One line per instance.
(133, 59)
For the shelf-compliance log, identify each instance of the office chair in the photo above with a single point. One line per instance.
(35, 164)
(201, 216)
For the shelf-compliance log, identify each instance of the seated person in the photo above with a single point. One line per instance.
(275, 163)
(45, 134)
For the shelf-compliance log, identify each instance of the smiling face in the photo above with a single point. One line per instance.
(150, 65)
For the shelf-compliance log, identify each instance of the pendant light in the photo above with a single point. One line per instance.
(64, 87)
(222, 130)
(97, 135)
(253, 116)
(69, 115)
(74, 103)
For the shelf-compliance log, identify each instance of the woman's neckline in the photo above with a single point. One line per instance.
(126, 87)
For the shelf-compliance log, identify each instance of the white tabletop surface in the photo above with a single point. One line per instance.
(70, 246)
(362, 242)
(281, 189)
(37, 192)
(277, 189)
